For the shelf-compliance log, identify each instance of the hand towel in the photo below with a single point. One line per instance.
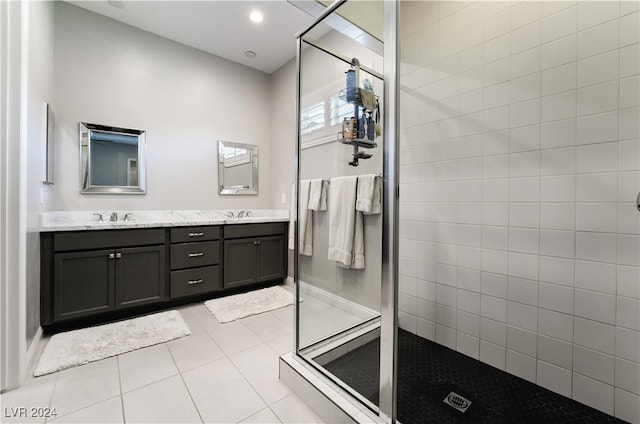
(318, 195)
(305, 221)
(369, 194)
(342, 219)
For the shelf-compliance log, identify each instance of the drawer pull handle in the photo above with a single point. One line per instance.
(198, 281)
(196, 234)
(195, 255)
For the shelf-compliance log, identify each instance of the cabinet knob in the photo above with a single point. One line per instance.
(195, 255)
(118, 255)
(112, 255)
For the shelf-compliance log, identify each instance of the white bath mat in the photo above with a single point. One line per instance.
(231, 308)
(78, 347)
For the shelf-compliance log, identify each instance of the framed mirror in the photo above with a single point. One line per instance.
(237, 168)
(113, 160)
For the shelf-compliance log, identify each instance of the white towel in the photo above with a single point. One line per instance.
(305, 221)
(346, 232)
(317, 195)
(369, 194)
(292, 217)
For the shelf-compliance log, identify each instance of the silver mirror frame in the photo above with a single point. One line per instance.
(238, 190)
(85, 154)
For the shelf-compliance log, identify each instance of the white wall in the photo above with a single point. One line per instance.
(107, 72)
(520, 166)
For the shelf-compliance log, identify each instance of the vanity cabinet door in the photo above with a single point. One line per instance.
(253, 260)
(239, 262)
(140, 276)
(270, 258)
(83, 283)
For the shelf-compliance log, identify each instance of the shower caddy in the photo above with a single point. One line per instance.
(361, 129)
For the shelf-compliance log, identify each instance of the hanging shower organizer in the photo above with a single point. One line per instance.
(361, 129)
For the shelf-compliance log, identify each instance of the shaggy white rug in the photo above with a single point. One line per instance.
(231, 308)
(78, 347)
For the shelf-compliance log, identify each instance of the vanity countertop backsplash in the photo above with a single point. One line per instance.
(121, 219)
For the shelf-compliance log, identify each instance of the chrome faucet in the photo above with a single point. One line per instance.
(113, 217)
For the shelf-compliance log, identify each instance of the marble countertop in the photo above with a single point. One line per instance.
(90, 220)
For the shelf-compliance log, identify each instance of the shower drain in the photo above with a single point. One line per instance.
(458, 402)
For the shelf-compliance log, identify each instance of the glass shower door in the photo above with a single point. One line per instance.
(339, 231)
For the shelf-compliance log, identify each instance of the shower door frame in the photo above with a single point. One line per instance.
(390, 196)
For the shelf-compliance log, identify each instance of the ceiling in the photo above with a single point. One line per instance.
(219, 27)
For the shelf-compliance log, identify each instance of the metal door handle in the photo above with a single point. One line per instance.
(195, 255)
(198, 281)
(196, 234)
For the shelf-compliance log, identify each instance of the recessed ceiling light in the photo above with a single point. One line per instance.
(250, 54)
(256, 16)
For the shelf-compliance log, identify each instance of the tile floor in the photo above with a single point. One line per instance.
(221, 373)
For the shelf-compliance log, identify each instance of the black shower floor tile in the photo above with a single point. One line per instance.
(429, 372)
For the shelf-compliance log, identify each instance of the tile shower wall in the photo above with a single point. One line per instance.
(519, 172)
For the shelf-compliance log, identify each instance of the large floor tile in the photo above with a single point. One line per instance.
(145, 366)
(259, 365)
(194, 350)
(108, 411)
(282, 344)
(234, 337)
(267, 326)
(293, 410)
(34, 393)
(166, 401)
(266, 416)
(86, 385)
(221, 393)
(285, 315)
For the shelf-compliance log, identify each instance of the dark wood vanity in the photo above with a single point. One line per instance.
(94, 276)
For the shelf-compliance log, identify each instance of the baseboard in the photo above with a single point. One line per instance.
(32, 355)
(341, 303)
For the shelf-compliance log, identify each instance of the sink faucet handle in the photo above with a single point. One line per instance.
(127, 216)
(99, 215)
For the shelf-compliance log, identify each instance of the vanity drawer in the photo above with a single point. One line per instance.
(101, 239)
(189, 234)
(195, 281)
(189, 255)
(254, 230)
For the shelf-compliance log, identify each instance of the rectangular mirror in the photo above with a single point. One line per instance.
(113, 159)
(237, 168)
